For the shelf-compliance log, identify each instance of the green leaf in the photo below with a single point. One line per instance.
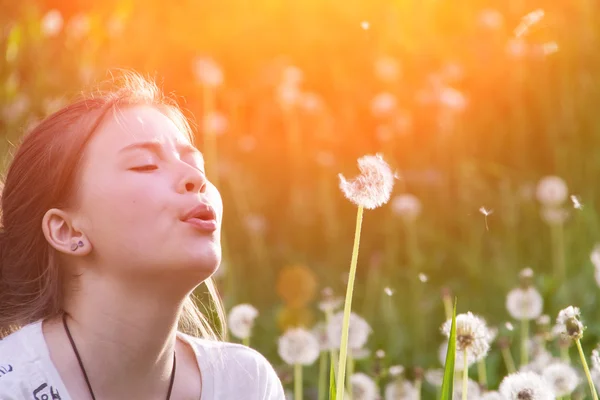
(448, 383)
(332, 388)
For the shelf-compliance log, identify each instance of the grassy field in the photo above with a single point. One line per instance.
(471, 102)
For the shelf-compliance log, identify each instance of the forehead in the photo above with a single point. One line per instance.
(137, 124)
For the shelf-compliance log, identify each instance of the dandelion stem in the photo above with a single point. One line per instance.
(482, 373)
(323, 375)
(508, 360)
(524, 342)
(341, 373)
(465, 382)
(418, 387)
(246, 341)
(558, 245)
(586, 369)
(297, 381)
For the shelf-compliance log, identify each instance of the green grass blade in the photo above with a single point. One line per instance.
(332, 387)
(448, 383)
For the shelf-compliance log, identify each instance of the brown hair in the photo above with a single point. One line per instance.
(42, 176)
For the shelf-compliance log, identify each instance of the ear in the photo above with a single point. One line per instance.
(60, 232)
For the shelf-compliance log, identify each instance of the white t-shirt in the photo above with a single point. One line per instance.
(229, 371)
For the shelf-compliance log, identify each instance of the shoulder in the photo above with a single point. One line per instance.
(17, 365)
(239, 369)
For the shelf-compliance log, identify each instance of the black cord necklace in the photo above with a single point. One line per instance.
(87, 380)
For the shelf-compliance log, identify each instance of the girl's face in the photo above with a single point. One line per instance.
(144, 202)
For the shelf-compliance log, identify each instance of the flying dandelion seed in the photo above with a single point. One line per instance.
(388, 291)
(509, 326)
(423, 278)
(365, 25)
(528, 21)
(486, 212)
(576, 202)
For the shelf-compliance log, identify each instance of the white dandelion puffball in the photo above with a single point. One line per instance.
(241, 320)
(320, 332)
(595, 256)
(373, 187)
(406, 206)
(363, 387)
(383, 104)
(491, 396)
(401, 389)
(552, 191)
(524, 304)
(298, 346)
(473, 391)
(472, 336)
(208, 72)
(215, 123)
(490, 18)
(358, 332)
(452, 99)
(526, 386)
(568, 323)
(52, 23)
(387, 69)
(435, 377)
(562, 377)
(554, 215)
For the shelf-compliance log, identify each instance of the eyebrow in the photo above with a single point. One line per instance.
(156, 147)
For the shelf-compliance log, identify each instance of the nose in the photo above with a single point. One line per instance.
(192, 180)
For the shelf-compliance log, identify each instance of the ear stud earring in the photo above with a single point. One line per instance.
(75, 246)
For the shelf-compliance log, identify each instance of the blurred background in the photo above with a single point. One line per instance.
(472, 102)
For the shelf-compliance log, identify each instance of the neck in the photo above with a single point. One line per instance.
(125, 335)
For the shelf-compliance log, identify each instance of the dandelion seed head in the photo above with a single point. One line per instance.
(383, 104)
(493, 395)
(358, 332)
(329, 302)
(595, 359)
(509, 326)
(568, 323)
(552, 191)
(525, 386)
(208, 72)
(491, 19)
(544, 320)
(595, 256)
(52, 23)
(401, 389)
(387, 69)
(485, 211)
(423, 278)
(363, 387)
(554, 215)
(453, 99)
(373, 187)
(388, 291)
(472, 336)
(396, 370)
(320, 332)
(473, 391)
(562, 377)
(298, 346)
(241, 320)
(380, 353)
(406, 206)
(435, 377)
(524, 304)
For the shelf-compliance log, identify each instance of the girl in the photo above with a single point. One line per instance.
(108, 225)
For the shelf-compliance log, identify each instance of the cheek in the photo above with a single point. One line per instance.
(214, 196)
(123, 209)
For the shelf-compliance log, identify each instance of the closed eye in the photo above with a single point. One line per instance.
(145, 168)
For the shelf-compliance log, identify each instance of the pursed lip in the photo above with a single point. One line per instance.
(202, 216)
